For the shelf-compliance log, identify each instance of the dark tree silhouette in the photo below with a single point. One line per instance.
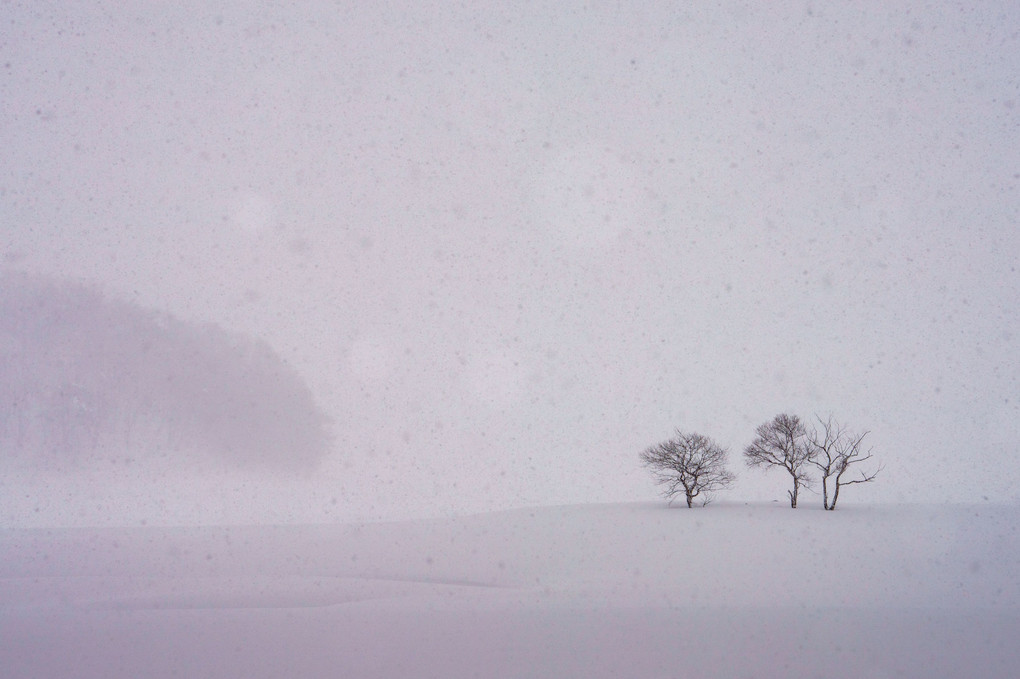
(84, 376)
(836, 449)
(782, 443)
(689, 464)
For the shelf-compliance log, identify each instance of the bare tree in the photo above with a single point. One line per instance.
(782, 443)
(688, 463)
(836, 449)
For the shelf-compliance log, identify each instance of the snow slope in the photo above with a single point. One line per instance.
(629, 590)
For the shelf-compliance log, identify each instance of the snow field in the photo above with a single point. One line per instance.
(630, 590)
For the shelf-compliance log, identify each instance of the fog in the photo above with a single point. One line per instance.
(410, 261)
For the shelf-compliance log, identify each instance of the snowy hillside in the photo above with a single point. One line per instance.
(588, 591)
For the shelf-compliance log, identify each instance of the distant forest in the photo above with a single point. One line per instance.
(84, 377)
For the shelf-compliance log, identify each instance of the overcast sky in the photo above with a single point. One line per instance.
(510, 245)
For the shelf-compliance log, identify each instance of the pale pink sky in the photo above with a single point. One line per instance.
(509, 246)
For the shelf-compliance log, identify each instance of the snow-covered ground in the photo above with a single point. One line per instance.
(630, 590)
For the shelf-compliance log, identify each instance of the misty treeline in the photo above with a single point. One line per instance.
(693, 466)
(84, 377)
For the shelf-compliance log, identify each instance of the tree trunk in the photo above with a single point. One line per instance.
(793, 494)
(825, 493)
(690, 500)
(835, 495)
